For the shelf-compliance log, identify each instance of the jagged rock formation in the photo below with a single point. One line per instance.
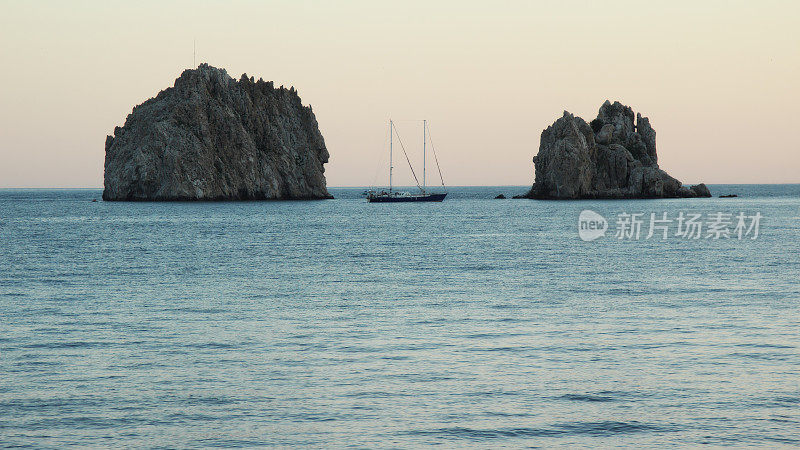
(211, 137)
(611, 157)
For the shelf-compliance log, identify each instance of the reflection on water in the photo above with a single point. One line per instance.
(474, 322)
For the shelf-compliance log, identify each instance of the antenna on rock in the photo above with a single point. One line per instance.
(194, 53)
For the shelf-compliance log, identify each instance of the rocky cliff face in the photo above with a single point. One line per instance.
(614, 156)
(211, 137)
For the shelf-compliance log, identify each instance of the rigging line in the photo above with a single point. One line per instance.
(404, 152)
(436, 158)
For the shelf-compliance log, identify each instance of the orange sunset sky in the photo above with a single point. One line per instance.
(720, 81)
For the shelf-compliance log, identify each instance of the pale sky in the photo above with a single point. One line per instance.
(719, 80)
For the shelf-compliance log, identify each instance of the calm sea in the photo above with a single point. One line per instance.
(471, 323)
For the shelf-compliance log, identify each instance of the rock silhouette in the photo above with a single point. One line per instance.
(613, 156)
(210, 137)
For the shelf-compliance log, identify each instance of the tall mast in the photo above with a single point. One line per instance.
(390, 155)
(424, 126)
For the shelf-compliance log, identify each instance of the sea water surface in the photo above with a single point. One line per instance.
(470, 323)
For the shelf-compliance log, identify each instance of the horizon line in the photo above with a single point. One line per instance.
(354, 186)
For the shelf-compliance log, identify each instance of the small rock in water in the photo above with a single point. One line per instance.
(501, 197)
(728, 196)
(701, 190)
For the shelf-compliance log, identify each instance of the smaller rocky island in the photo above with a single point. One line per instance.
(612, 157)
(210, 137)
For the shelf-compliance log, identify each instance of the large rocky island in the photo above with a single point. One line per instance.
(610, 157)
(211, 137)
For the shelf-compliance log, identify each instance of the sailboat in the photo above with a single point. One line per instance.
(393, 196)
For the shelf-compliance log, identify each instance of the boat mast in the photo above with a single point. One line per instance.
(424, 125)
(390, 156)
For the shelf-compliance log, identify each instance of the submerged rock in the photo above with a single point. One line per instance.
(614, 156)
(211, 137)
